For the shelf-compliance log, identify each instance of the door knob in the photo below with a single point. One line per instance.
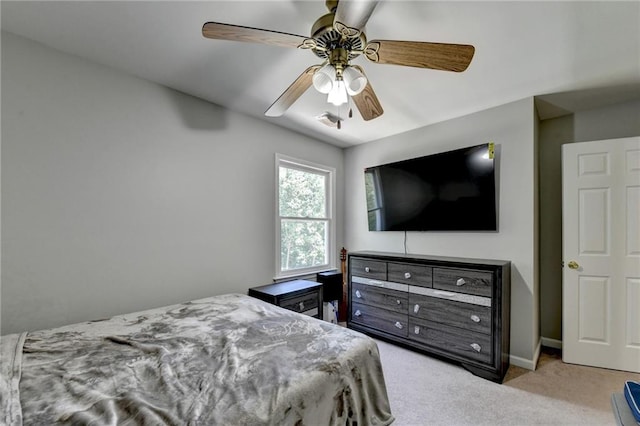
(573, 265)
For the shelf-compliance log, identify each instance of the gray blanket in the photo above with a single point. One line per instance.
(225, 360)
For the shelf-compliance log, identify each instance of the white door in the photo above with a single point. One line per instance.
(601, 253)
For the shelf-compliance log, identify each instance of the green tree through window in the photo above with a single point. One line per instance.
(304, 217)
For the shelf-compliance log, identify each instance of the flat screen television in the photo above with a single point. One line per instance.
(449, 191)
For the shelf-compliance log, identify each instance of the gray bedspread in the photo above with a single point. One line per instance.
(225, 360)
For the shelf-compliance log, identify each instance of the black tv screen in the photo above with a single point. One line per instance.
(449, 191)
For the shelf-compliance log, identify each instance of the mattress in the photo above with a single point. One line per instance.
(224, 360)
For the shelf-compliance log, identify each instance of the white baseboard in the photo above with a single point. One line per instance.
(528, 364)
(521, 362)
(552, 343)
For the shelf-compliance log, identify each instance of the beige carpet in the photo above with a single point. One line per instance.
(425, 390)
(555, 379)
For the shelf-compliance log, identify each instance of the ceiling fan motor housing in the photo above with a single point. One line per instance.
(329, 39)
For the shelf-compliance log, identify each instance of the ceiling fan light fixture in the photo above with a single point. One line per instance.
(338, 94)
(323, 79)
(354, 80)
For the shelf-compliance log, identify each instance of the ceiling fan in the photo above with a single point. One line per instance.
(337, 38)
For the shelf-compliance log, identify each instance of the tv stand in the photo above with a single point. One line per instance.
(455, 308)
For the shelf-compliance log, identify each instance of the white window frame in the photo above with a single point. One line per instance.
(307, 166)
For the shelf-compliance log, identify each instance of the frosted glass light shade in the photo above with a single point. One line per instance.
(338, 94)
(323, 79)
(354, 80)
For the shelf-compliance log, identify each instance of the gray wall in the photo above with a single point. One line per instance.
(613, 121)
(119, 194)
(512, 128)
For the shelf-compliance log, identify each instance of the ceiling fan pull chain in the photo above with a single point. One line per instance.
(350, 113)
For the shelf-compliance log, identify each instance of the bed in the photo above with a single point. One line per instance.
(224, 360)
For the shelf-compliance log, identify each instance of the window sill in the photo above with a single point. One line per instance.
(306, 275)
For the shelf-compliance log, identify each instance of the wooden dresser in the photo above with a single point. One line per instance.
(452, 307)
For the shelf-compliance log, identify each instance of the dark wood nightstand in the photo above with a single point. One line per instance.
(300, 296)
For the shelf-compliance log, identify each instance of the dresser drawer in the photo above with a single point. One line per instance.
(379, 297)
(369, 269)
(409, 274)
(463, 280)
(471, 345)
(305, 304)
(449, 312)
(380, 319)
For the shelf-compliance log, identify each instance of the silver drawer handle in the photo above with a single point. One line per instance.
(460, 282)
(416, 330)
(301, 306)
(366, 269)
(358, 294)
(357, 313)
(398, 325)
(476, 347)
(475, 318)
(407, 275)
(399, 302)
(416, 308)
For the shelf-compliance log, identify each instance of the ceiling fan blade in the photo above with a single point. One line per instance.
(352, 16)
(437, 56)
(217, 30)
(367, 102)
(293, 92)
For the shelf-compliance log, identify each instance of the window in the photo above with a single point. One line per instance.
(305, 234)
(374, 208)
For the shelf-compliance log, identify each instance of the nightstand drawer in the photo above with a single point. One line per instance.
(306, 304)
(379, 297)
(379, 319)
(463, 280)
(409, 274)
(368, 269)
(469, 344)
(450, 312)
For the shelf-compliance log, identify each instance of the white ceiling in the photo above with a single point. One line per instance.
(522, 49)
